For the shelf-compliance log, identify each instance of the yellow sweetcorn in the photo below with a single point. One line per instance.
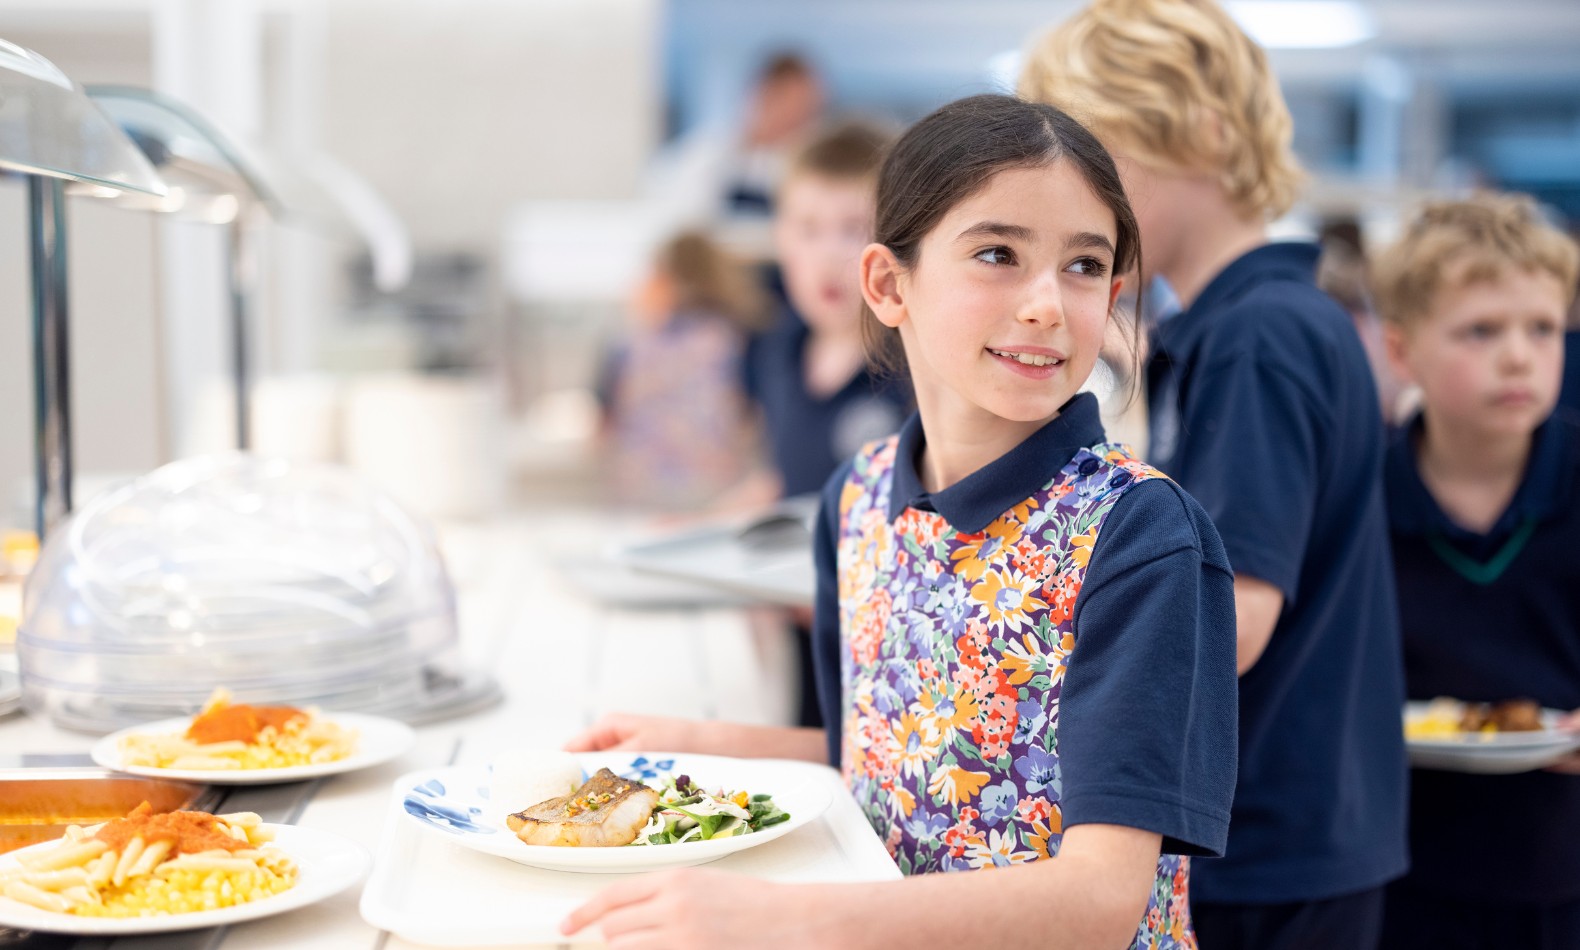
(186, 891)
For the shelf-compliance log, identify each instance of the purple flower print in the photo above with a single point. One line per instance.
(925, 827)
(998, 802)
(1040, 770)
(1033, 716)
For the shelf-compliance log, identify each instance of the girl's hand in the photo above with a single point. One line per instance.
(1569, 764)
(699, 908)
(627, 732)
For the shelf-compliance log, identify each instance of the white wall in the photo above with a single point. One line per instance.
(453, 109)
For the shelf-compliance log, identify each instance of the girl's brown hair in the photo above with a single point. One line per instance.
(953, 153)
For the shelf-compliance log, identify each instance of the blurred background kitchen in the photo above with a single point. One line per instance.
(505, 171)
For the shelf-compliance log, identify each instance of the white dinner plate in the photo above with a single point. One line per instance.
(378, 741)
(454, 803)
(1491, 753)
(326, 863)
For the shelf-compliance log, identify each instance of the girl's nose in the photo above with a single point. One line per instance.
(1044, 303)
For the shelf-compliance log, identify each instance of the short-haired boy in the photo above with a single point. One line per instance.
(1483, 492)
(809, 374)
(1263, 408)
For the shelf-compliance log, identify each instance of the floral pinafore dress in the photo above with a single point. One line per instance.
(953, 651)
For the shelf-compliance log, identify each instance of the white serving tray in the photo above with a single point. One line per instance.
(766, 557)
(429, 891)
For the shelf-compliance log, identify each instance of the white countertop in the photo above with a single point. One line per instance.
(563, 656)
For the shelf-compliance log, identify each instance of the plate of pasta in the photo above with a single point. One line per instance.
(151, 873)
(231, 743)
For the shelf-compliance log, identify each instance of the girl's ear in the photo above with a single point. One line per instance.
(1396, 346)
(880, 284)
(1113, 293)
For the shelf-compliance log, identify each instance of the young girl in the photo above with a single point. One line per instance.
(676, 414)
(1025, 635)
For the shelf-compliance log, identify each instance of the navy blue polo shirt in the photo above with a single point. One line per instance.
(810, 435)
(1487, 618)
(1265, 410)
(1570, 395)
(1150, 689)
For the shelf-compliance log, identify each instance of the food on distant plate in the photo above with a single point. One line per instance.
(1445, 718)
(1514, 715)
(227, 735)
(609, 811)
(148, 865)
(606, 812)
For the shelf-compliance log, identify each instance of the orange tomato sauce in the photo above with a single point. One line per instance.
(240, 722)
(189, 831)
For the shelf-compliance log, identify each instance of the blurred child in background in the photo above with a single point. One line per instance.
(1484, 506)
(677, 420)
(1263, 407)
(809, 373)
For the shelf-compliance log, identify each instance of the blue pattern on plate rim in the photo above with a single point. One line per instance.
(426, 802)
(431, 803)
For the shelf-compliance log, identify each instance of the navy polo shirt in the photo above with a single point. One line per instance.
(1570, 395)
(810, 435)
(1487, 618)
(1147, 708)
(1265, 410)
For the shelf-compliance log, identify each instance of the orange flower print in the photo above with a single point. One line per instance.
(1023, 659)
(957, 785)
(1034, 810)
(924, 527)
(1081, 547)
(998, 849)
(868, 625)
(976, 554)
(918, 741)
(1061, 592)
(1011, 598)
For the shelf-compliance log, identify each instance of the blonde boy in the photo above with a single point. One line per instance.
(1482, 496)
(1263, 407)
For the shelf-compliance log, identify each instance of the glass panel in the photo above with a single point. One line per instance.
(49, 127)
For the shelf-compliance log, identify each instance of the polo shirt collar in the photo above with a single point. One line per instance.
(1293, 259)
(1543, 491)
(972, 503)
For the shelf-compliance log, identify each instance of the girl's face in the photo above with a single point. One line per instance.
(1003, 314)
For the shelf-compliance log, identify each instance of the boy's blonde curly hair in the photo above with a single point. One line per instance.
(1173, 84)
(1454, 243)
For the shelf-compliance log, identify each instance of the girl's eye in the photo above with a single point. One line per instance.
(1543, 329)
(1090, 267)
(998, 255)
(1481, 331)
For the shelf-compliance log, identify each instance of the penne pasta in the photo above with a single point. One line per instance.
(66, 856)
(85, 876)
(28, 894)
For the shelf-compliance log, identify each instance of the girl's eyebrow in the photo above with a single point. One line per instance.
(1091, 240)
(1017, 232)
(997, 229)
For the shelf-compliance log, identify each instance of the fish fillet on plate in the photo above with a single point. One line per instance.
(607, 812)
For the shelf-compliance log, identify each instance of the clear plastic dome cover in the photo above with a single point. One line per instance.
(283, 581)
